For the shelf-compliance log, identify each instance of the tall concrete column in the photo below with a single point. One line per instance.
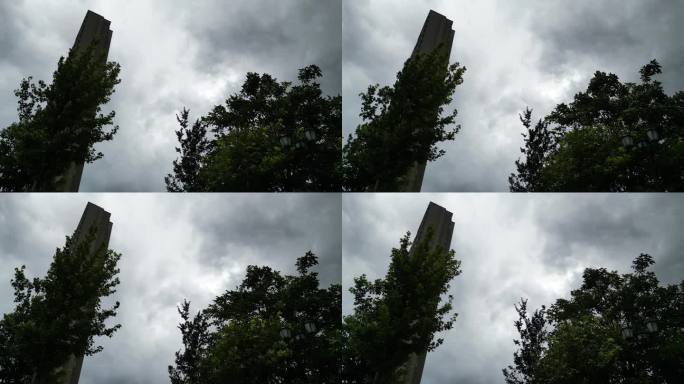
(93, 217)
(94, 28)
(439, 219)
(436, 33)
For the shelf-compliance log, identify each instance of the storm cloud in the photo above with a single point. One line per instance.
(173, 54)
(535, 53)
(173, 248)
(511, 246)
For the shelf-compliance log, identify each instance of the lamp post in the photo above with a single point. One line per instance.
(310, 328)
(285, 141)
(635, 332)
(310, 135)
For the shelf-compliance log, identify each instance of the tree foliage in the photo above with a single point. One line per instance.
(261, 332)
(402, 124)
(613, 329)
(539, 144)
(271, 136)
(194, 145)
(190, 368)
(613, 137)
(533, 336)
(59, 315)
(59, 124)
(399, 315)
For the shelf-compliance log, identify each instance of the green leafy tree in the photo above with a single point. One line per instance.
(59, 315)
(613, 329)
(59, 124)
(539, 142)
(271, 136)
(403, 124)
(613, 137)
(399, 315)
(272, 328)
(532, 343)
(190, 366)
(194, 146)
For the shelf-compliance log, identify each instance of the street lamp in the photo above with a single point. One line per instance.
(285, 333)
(310, 327)
(652, 134)
(627, 331)
(652, 326)
(285, 141)
(310, 135)
(627, 141)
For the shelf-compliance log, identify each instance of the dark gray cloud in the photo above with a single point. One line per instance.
(173, 54)
(534, 53)
(173, 247)
(512, 246)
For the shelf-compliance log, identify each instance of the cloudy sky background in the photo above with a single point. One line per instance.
(173, 53)
(535, 53)
(511, 246)
(173, 247)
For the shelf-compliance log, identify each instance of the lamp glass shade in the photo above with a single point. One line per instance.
(285, 333)
(627, 141)
(285, 141)
(310, 327)
(627, 333)
(651, 326)
(652, 134)
(310, 135)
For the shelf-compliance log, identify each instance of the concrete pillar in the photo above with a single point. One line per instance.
(436, 32)
(439, 219)
(94, 28)
(93, 217)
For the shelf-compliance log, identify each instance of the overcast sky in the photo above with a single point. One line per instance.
(511, 246)
(173, 53)
(173, 247)
(534, 53)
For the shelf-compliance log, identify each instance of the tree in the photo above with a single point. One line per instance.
(271, 136)
(272, 328)
(399, 315)
(613, 329)
(538, 146)
(533, 336)
(59, 124)
(59, 315)
(613, 137)
(403, 124)
(190, 365)
(194, 146)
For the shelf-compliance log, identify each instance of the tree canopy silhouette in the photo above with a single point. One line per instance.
(399, 315)
(613, 329)
(402, 124)
(59, 124)
(613, 137)
(58, 315)
(272, 328)
(271, 136)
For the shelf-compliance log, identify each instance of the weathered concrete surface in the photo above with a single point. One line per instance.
(93, 217)
(439, 219)
(94, 28)
(436, 33)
